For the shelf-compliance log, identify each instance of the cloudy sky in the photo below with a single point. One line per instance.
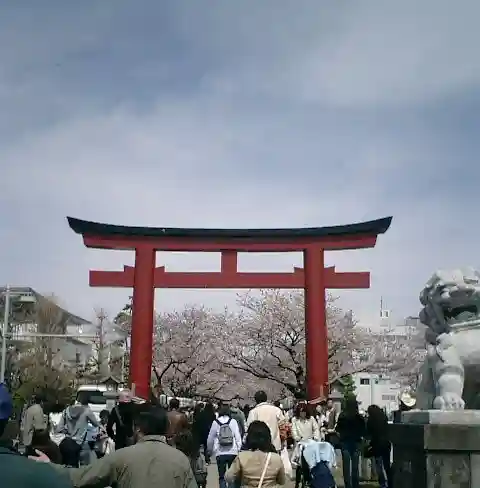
(239, 114)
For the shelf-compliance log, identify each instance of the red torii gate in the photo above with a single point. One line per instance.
(314, 278)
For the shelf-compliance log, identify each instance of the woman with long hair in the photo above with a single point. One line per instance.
(351, 431)
(197, 428)
(304, 428)
(304, 425)
(202, 424)
(258, 465)
(379, 444)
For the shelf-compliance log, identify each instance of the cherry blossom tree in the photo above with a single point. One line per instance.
(400, 355)
(200, 353)
(186, 353)
(266, 340)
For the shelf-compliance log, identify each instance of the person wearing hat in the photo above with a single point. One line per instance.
(406, 402)
(18, 471)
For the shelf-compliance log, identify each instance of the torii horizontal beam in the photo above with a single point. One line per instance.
(222, 279)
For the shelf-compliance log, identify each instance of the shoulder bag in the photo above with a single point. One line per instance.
(267, 462)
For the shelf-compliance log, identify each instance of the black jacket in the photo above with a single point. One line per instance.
(17, 471)
(351, 429)
(379, 437)
(122, 418)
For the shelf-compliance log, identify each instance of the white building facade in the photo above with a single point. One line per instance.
(377, 389)
(71, 350)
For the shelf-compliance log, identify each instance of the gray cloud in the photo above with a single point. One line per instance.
(239, 115)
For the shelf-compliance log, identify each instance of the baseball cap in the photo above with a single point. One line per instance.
(6, 404)
(407, 399)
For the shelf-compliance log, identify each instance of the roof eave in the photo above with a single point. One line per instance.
(372, 227)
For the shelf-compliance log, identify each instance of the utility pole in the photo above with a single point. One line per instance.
(6, 320)
(102, 352)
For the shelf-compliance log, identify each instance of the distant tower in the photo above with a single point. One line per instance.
(349, 320)
(384, 315)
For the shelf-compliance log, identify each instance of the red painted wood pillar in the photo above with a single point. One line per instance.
(316, 334)
(142, 320)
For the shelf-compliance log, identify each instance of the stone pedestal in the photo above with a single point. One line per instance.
(437, 449)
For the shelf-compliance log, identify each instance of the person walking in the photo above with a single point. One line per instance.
(330, 417)
(75, 423)
(304, 425)
(351, 431)
(258, 465)
(224, 442)
(177, 421)
(121, 418)
(304, 428)
(34, 420)
(379, 444)
(270, 414)
(197, 422)
(201, 427)
(239, 416)
(187, 443)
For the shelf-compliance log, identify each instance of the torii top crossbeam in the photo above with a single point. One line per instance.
(353, 236)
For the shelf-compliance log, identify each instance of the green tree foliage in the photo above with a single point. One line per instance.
(349, 387)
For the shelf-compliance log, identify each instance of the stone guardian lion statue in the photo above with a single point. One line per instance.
(450, 378)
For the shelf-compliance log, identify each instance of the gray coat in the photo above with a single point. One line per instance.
(75, 421)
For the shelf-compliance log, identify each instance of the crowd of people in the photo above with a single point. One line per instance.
(137, 445)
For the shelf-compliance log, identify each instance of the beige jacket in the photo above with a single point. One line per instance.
(248, 467)
(272, 416)
(34, 420)
(151, 462)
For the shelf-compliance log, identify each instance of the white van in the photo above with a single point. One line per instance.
(95, 396)
(100, 398)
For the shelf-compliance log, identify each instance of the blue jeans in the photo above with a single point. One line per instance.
(223, 463)
(383, 468)
(350, 462)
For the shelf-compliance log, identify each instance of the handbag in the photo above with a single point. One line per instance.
(287, 465)
(333, 438)
(367, 451)
(70, 450)
(267, 461)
